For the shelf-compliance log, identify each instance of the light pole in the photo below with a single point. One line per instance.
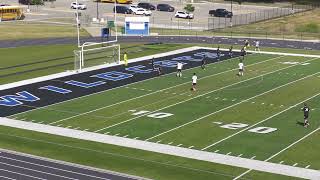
(231, 6)
(78, 22)
(97, 9)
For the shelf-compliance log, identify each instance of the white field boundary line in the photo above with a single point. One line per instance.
(68, 73)
(148, 80)
(270, 117)
(49, 167)
(166, 149)
(205, 77)
(197, 97)
(71, 164)
(233, 105)
(241, 175)
(271, 53)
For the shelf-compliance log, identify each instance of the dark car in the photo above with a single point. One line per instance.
(221, 13)
(122, 10)
(147, 6)
(165, 7)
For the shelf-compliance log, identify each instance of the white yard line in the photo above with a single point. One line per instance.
(315, 178)
(178, 127)
(154, 92)
(239, 82)
(270, 117)
(166, 149)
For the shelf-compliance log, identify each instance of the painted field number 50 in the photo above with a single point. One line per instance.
(259, 130)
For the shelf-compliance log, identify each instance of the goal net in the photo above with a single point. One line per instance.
(96, 56)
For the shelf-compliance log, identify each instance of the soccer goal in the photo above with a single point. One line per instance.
(96, 56)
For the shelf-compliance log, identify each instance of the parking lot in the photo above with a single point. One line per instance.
(243, 14)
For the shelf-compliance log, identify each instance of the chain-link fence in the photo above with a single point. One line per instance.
(262, 15)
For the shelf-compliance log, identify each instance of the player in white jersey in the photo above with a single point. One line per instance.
(179, 69)
(257, 48)
(194, 82)
(241, 66)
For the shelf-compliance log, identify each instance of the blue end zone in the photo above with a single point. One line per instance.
(28, 97)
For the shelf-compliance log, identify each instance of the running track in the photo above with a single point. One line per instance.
(18, 166)
(169, 39)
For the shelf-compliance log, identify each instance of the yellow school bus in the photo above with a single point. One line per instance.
(8, 12)
(118, 1)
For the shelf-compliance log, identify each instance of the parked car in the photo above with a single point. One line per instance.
(81, 6)
(141, 11)
(122, 10)
(221, 13)
(134, 7)
(147, 6)
(165, 7)
(182, 14)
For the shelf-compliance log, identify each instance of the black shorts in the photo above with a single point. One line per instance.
(194, 84)
(240, 70)
(306, 116)
(179, 70)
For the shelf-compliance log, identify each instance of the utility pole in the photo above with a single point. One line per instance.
(78, 23)
(97, 10)
(231, 5)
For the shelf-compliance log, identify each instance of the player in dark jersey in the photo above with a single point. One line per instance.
(242, 54)
(152, 63)
(203, 63)
(231, 52)
(218, 52)
(159, 71)
(306, 110)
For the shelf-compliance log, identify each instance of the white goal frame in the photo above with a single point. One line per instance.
(80, 56)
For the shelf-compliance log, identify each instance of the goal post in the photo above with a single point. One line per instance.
(96, 55)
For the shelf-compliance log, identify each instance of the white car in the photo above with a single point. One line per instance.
(185, 15)
(134, 7)
(141, 11)
(74, 5)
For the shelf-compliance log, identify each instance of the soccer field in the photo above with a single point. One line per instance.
(257, 116)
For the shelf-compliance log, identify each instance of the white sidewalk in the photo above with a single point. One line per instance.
(167, 149)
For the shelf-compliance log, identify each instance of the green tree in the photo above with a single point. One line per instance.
(37, 2)
(189, 8)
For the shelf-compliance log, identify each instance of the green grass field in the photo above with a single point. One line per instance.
(224, 116)
(19, 64)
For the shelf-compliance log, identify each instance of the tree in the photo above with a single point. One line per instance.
(189, 8)
(37, 2)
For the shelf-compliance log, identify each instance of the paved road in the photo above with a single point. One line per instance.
(169, 39)
(24, 167)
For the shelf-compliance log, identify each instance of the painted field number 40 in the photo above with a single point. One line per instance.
(157, 115)
(260, 130)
